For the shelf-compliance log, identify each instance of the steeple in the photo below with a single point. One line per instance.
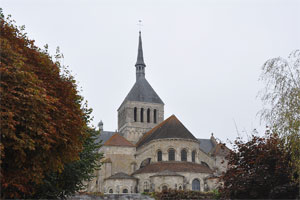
(140, 65)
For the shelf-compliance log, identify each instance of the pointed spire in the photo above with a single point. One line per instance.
(140, 57)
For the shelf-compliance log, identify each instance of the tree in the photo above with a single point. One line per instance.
(281, 98)
(257, 168)
(43, 123)
(60, 185)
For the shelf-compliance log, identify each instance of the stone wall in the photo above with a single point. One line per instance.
(173, 182)
(117, 186)
(150, 151)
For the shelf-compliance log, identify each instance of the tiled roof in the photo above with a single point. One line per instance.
(167, 173)
(121, 175)
(143, 92)
(118, 140)
(174, 166)
(169, 128)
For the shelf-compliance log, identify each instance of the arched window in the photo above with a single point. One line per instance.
(111, 191)
(171, 155)
(180, 188)
(154, 115)
(194, 156)
(146, 186)
(164, 188)
(183, 155)
(159, 156)
(125, 190)
(142, 114)
(196, 185)
(148, 115)
(135, 114)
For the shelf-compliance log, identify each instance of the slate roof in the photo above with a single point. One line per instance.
(121, 175)
(174, 166)
(206, 145)
(143, 92)
(104, 136)
(169, 128)
(140, 57)
(118, 140)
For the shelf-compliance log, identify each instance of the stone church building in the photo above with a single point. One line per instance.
(151, 153)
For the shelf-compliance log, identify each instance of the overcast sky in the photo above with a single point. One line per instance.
(203, 57)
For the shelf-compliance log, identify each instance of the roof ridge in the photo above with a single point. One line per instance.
(154, 128)
(111, 139)
(169, 128)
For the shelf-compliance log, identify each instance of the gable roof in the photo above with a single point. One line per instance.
(169, 128)
(143, 92)
(174, 166)
(118, 140)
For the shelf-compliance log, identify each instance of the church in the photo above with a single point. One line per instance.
(150, 153)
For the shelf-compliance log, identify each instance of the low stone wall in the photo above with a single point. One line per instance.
(112, 197)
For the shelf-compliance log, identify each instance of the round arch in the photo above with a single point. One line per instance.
(196, 185)
(159, 155)
(171, 154)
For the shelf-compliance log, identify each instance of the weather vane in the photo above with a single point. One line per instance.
(140, 25)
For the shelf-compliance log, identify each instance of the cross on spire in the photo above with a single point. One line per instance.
(140, 24)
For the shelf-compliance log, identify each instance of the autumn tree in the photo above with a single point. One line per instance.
(75, 174)
(258, 169)
(43, 123)
(281, 98)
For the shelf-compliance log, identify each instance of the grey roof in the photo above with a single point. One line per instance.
(140, 57)
(169, 128)
(143, 92)
(206, 145)
(104, 136)
(121, 175)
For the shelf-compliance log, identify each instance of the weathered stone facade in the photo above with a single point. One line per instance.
(152, 154)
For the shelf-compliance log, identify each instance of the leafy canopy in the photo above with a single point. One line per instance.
(43, 125)
(257, 168)
(281, 98)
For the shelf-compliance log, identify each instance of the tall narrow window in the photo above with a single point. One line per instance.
(159, 156)
(196, 185)
(193, 156)
(146, 186)
(171, 155)
(154, 115)
(135, 114)
(183, 155)
(148, 115)
(142, 114)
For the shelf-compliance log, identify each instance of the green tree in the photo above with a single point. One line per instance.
(60, 185)
(43, 120)
(281, 98)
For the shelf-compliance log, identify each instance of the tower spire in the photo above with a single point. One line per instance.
(140, 64)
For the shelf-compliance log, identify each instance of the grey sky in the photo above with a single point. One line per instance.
(203, 58)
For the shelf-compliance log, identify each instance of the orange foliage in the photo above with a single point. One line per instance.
(42, 123)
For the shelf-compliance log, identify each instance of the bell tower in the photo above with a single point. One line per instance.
(142, 109)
